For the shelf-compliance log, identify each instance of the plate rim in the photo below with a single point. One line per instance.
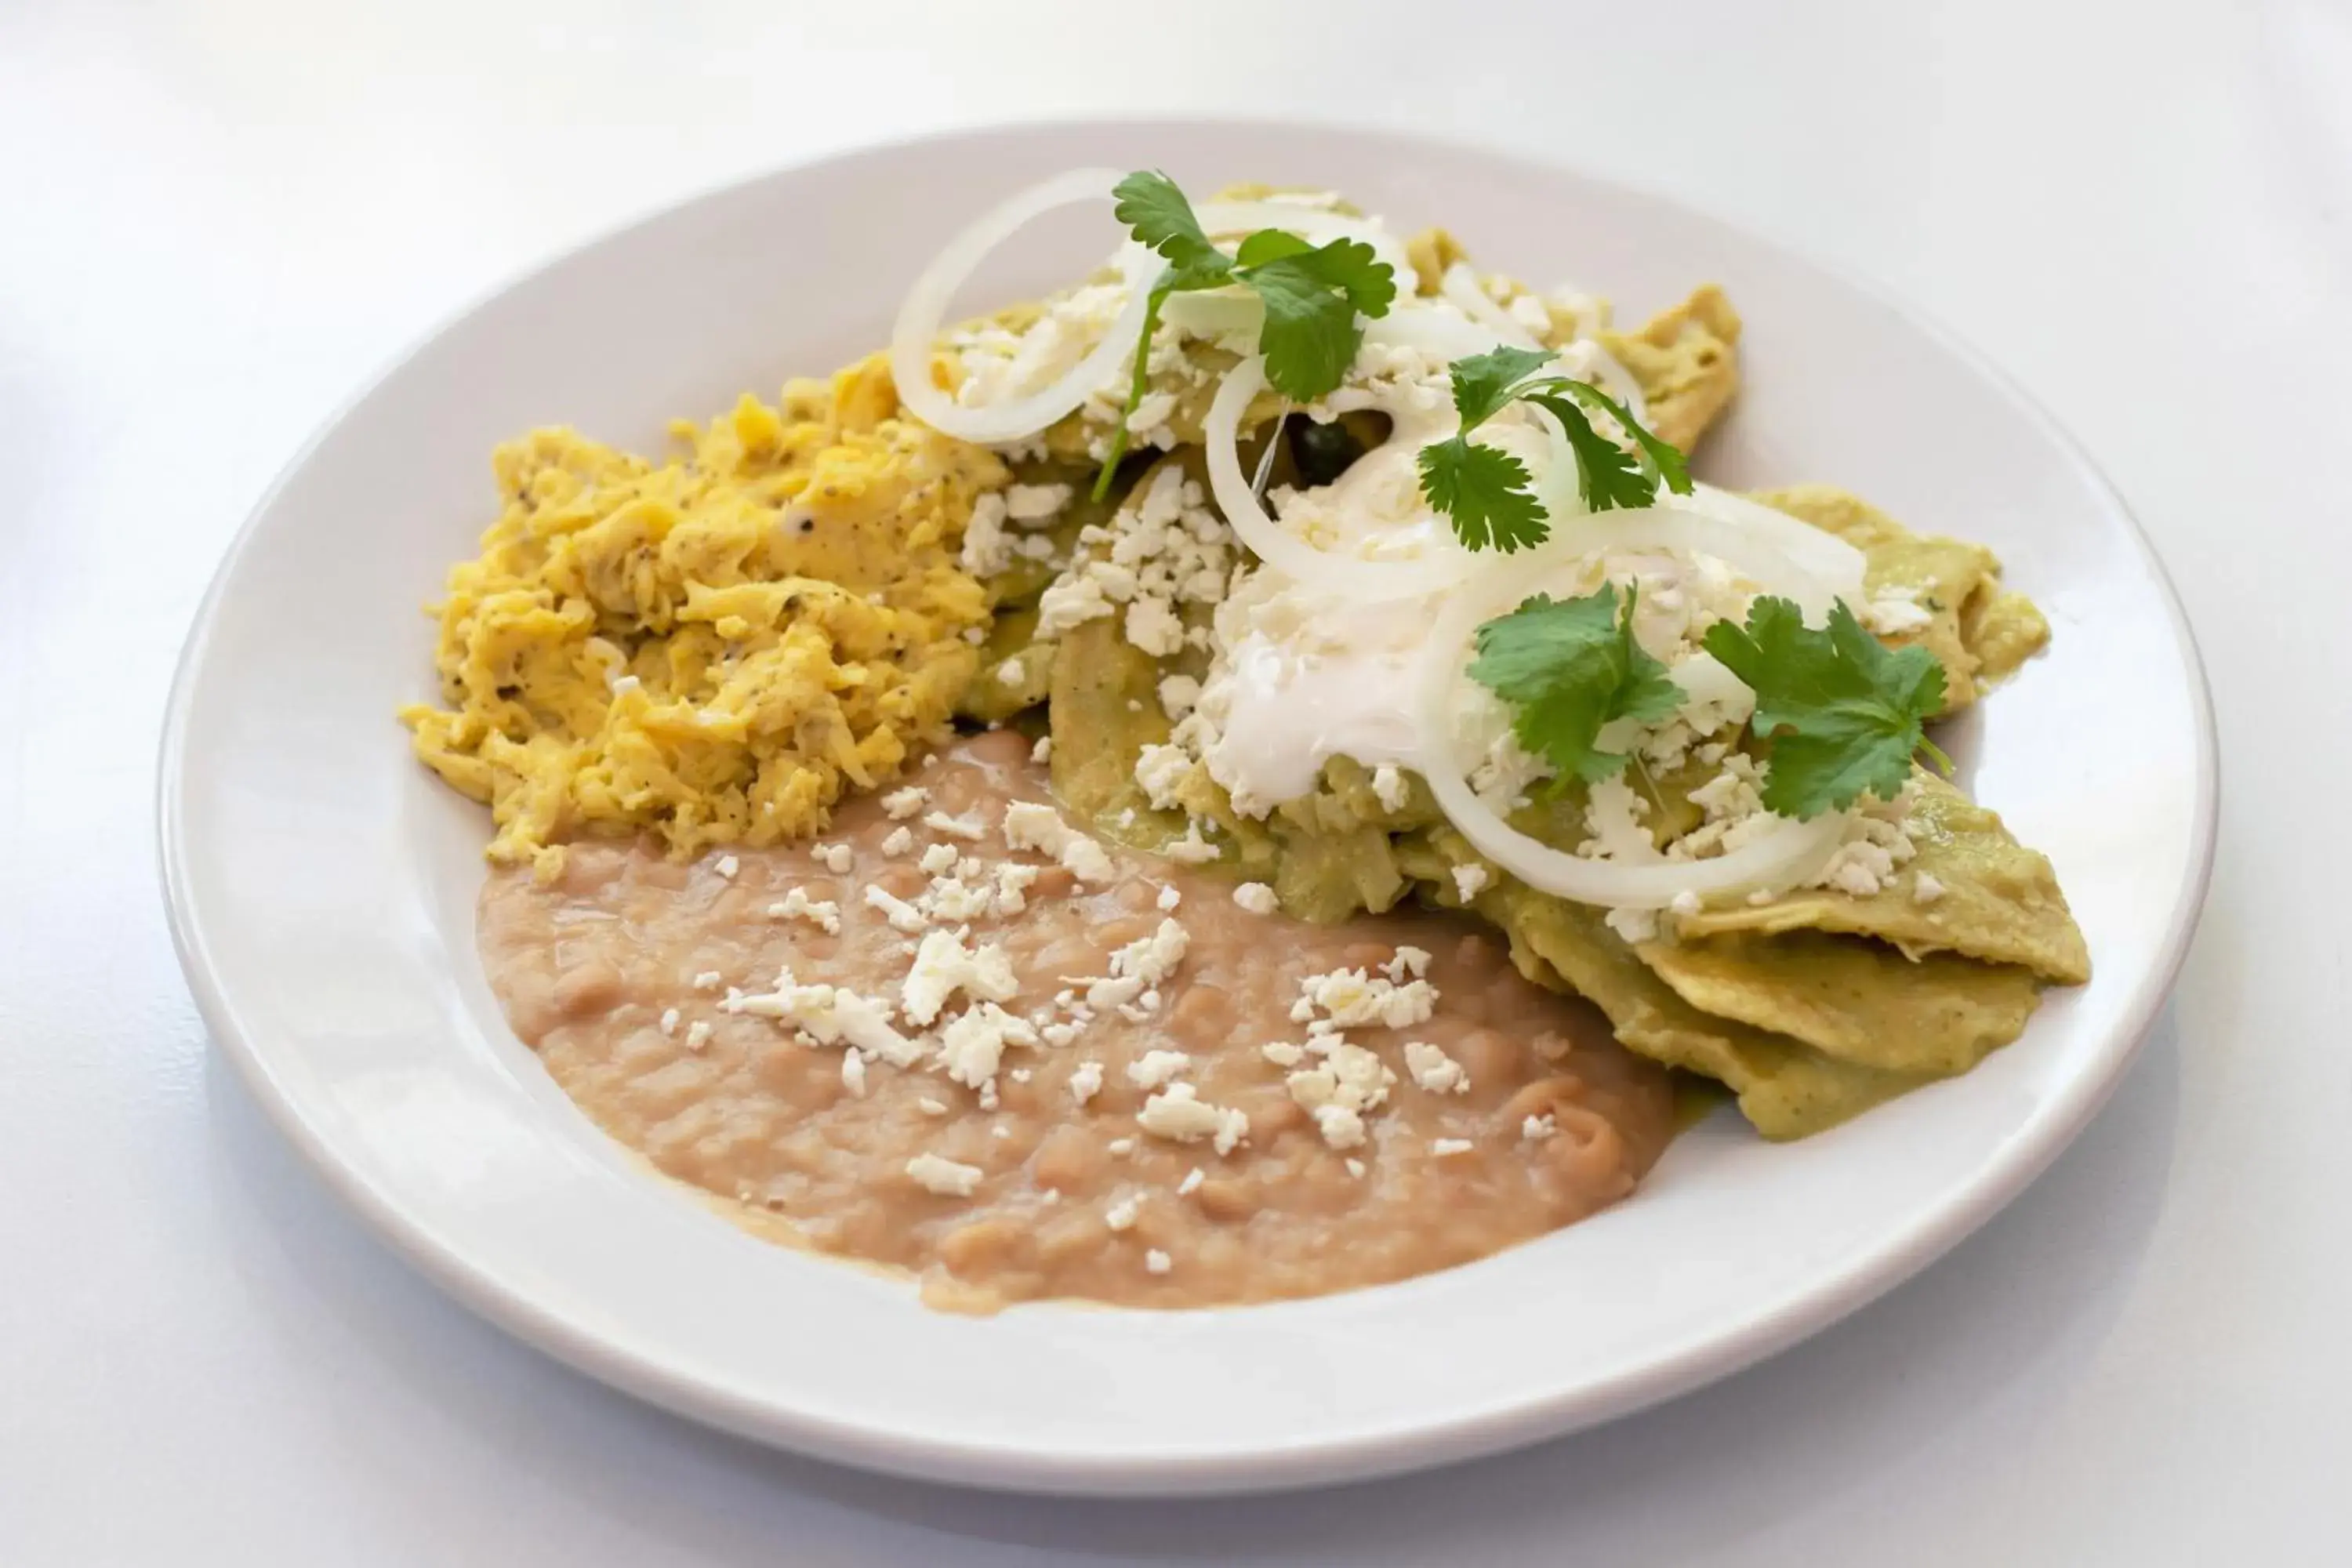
(1935, 1230)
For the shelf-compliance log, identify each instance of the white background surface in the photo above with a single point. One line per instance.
(217, 220)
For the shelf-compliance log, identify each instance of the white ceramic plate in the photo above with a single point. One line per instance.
(322, 886)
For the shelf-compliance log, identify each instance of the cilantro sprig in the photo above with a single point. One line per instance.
(1313, 294)
(1569, 668)
(1845, 713)
(1489, 494)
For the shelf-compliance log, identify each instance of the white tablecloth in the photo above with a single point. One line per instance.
(215, 219)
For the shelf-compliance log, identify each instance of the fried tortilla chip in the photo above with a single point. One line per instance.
(1999, 902)
(2002, 631)
(1852, 999)
(1785, 1088)
(1947, 577)
(1687, 362)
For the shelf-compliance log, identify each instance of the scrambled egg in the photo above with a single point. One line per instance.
(714, 648)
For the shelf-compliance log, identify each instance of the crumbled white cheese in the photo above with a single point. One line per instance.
(1034, 503)
(1469, 881)
(1255, 896)
(944, 965)
(709, 980)
(1154, 627)
(1191, 849)
(1191, 1183)
(822, 913)
(969, 828)
(1043, 752)
(1138, 967)
(838, 858)
(899, 841)
(1633, 925)
(1865, 860)
(1535, 1128)
(1157, 1262)
(1895, 610)
(971, 1045)
(1686, 903)
(1179, 695)
(1346, 1076)
(1121, 1146)
(1086, 1081)
(902, 915)
(901, 805)
(1341, 1128)
(1013, 884)
(1121, 1215)
(930, 1107)
(1434, 1069)
(1154, 1069)
(853, 1073)
(1353, 997)
(1356, 1169)
(1030, 826)
(1406, 960)
(1443, 1147)
(956, 901)
(987, 549)
(1925, 889)
(1390, 787)
(1162, 771)
(1170, 897)
(1282, 1053)
(948, 1178)
(831, 1015)
(698, 1035)
(670, 1021)
(1070, 602)
(1179, 1114)
(728, 866)
(939, 859)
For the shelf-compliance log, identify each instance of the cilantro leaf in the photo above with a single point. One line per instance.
(1158, 213)
(1664, 460)
(1484, 385)
(1606, 474)
(1845, 713)
(1349, 266)
(1570, 668)
(1485, 490)
(1312, 298)
(1269, 245)
(1312, 294)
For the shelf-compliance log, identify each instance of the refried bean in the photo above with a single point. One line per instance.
(1526, 1117)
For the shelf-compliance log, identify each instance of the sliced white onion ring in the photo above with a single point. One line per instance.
(1781, 857)
(925, 311)
(1460, 286)
(1445, 563)
(1839, 565)
(1422, 326)
(1216, 313)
